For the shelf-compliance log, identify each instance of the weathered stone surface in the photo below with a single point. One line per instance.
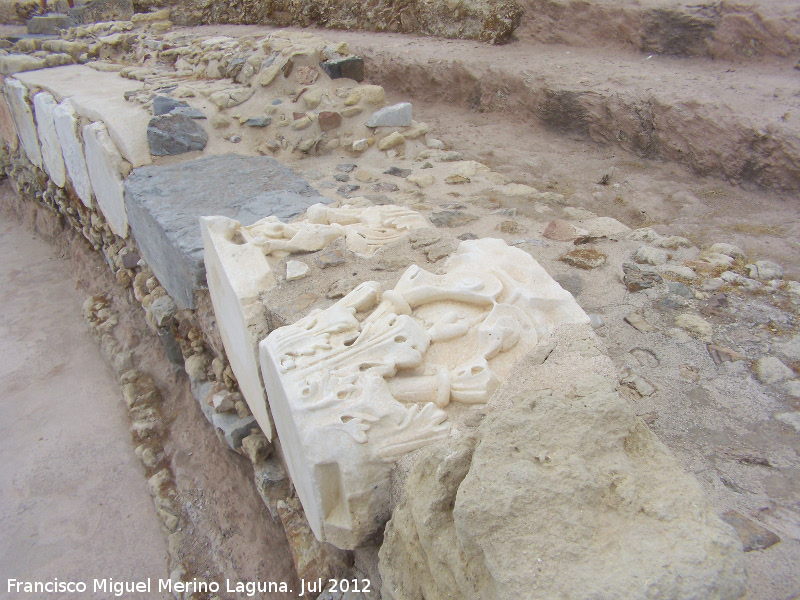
(238, 273)
(8, 131)
(696, 325)
(350, 67)
(296, 269)
(17, 63)
(17, 96)
(350, 397)
(50, 24)
(770, 369)
(258, 121)
(99, 96)
(233, 428)
(561, 231)
(451, 218)
(96, 11)
(397, 115)
(487, 20)
(329, 120)
(66, 124)
(637, 280)
(105, 168)
(564, 495)
(753, 535)
(165, 202)
(172, 134)
(585, 258)
(52, 159)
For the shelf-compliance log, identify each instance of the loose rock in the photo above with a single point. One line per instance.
(175, 134)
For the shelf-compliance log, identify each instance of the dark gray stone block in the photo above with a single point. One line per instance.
(164, 104)
(164, 204)
(175, 134)
(351, 67)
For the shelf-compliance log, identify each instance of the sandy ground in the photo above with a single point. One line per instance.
(226, 531)
(73, 499)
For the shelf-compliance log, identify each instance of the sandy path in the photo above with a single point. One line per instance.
(73, 499)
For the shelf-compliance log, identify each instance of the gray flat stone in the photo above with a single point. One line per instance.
(164, 104)
(164, 204)
(351, 67)
(175, 134)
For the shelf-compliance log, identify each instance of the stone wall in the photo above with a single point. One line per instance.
(486, 20)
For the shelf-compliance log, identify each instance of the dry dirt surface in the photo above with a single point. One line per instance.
(50, 475)
(73, 504)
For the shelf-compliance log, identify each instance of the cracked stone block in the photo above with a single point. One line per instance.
(44, 108)
(66, 123)
(164, 204)
(105, 167)
(381, 373)
(17, 97)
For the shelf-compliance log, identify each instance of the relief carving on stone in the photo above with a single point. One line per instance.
(238, 271)
(356, 386)
(364, 229)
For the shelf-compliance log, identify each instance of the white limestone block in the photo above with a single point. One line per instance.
(354, 388)
(237, 272)
(99, 96)
(296, 269)
(17, 96)
(66, 123)
(104, 164)
(43, 106)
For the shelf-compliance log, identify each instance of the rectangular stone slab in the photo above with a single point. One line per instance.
(98, 96)
(164, 204)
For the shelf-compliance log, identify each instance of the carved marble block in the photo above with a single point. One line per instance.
(375, 376)
(237, 261)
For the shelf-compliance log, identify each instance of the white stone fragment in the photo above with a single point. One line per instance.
(354, 388)
(53, 161)
(66, 123)
(237, 272)
(104, 164)
(17, 96)
(296, 269)
(397, 115)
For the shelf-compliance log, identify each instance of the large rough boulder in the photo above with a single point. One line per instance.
(561, 496)
(487, 20)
